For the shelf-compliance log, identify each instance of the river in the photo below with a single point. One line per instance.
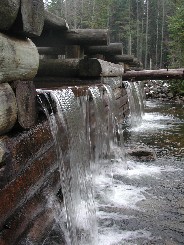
(147, 200)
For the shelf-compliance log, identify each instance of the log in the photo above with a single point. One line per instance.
(73, 51)
(124, 58)
(58, 82)
(59, 68)
(8, 108)
(54, 38)
(26, 102)
(30, 20)
(19, 59)
(161, 74)
(97, 67)
(8, 13)
(53, 21)
(111, 49)
(51, 50)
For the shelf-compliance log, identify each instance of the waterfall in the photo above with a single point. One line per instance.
(86, 135)
(136, 104)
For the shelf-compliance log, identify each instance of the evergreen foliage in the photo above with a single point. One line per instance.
(152, 30)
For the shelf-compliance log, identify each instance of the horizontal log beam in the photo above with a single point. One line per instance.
(55, 22)
(51, 50)
(58, 68)
(58, 82)
(8, 13)
(124, 58)
(154, 74)
(19, 59)
(84, 37)
(97, 68)
(111, 49)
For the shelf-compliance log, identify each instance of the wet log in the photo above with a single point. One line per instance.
(154, 74)
(19, 190)
(30, 20)
(26, 102)
(8, 108)
(57, 82)
(72, 37)
(8, 13)
(19, 59)
(120, 58)
(53, 21)
(111, 49)
(59, 68)
(51, 50)
(96, 68)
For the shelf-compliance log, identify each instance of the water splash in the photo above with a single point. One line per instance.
(70, 134)
(88, 142)
(136, 104)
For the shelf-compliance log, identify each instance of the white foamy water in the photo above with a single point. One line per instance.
(152, 121)
(115, 237)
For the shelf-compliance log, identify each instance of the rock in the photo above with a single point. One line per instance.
(141, 153)
(170, 95)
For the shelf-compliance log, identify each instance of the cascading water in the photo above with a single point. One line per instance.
(70, 132)
(136, 105)
(85, 135)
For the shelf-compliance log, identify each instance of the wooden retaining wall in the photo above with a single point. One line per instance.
(28, 168)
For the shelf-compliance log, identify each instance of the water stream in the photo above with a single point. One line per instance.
(110, 200)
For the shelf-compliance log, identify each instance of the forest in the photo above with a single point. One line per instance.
(151, 30)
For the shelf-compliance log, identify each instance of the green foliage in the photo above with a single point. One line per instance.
(177, 87)
(176, 30)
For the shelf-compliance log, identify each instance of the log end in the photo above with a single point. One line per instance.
(8, 108)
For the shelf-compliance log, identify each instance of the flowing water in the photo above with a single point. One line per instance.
(109, 200)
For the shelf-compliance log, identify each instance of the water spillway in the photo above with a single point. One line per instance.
(32, 176)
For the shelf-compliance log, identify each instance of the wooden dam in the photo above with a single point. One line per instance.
(38, 50)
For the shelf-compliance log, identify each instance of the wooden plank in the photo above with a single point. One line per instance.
(8, 13)
(26, 102)
(55, 22)
(8, 108)
(61, 68)
(97, 67)
(54, 38)
(154, 74)
(111, 49)
(19, 59)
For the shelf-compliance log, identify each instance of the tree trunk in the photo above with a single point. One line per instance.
(73, 37)
(19, 59)
(59, 68)
(53, 21)
(97, 68)
(120, 58)
(111, 49)
(161, 74)
(26, 102)
(51, 50)
(147, 23)
(8, 108)
(31, 20)
(8, 13)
